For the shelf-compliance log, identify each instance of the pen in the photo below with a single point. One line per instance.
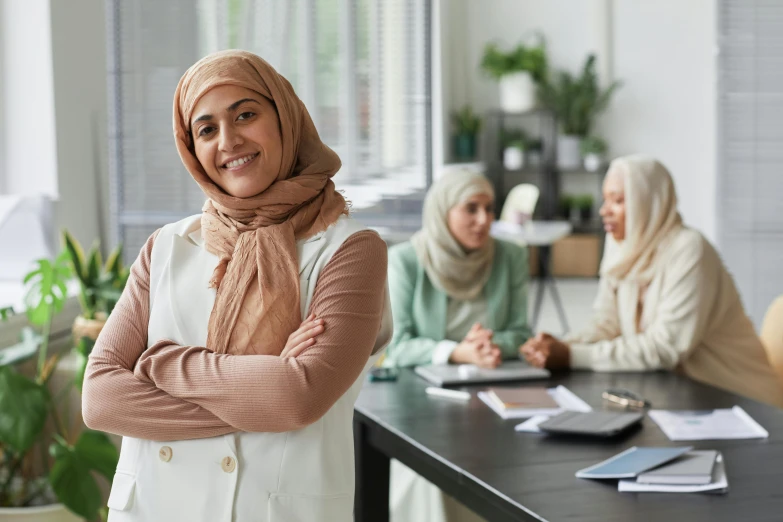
(448, 394)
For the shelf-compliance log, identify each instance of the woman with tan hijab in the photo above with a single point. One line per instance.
(212, 346)
(665, 300)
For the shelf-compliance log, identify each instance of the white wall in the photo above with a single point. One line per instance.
(29, 150)
(79, 54)
(663, 51)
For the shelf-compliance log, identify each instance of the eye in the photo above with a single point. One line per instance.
(246, 115)
(471, 208)
(206, 129)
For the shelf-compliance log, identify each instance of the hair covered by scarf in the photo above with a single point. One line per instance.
(257, 278)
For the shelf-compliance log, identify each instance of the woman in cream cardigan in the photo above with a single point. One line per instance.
(458, 295)
(665, 300)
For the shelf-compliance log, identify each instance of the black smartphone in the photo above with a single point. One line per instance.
(383, 374)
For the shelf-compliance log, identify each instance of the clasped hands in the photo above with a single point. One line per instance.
(546, 351)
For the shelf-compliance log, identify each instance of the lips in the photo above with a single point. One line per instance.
(236, 163)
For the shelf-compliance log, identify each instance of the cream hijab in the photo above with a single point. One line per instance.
(461, 275)
(651, 219)
(257, 278)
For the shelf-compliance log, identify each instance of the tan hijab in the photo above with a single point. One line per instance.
(461, 275)
(257, 278)
(651, 219)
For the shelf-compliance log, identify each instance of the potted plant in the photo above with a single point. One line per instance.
(576, 102)
(585, 205)
(466, 127)
(100, 285)
(514, 146)
(565, 206)
(518, 73)
(36, 486)
(593, 153)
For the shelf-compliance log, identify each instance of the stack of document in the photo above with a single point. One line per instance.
(523, 402)
(721, 424)
(673, 470)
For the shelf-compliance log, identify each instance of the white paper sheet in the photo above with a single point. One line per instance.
(718, 424)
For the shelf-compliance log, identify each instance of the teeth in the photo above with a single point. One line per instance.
(240, 161)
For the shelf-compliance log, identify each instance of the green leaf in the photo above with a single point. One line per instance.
(114, 262)
(75, 255)
(46, 289)
(6, 312)
(94, 264)
(71, 476)
(82, 352)
(73, 483)
(24, 406)
(98, 452)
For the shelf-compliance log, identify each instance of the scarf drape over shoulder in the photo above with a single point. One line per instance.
(257, 279)
(460, 274)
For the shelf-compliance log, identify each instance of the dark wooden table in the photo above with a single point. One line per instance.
(475, 456)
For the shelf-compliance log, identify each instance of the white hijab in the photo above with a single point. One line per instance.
(651, 219)
(461, 275)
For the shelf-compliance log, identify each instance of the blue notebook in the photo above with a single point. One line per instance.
(632, 462)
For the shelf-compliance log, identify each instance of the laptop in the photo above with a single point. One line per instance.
(461, 374)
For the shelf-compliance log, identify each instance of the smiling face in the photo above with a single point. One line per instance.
(469, 222)
(613, 210)
(236, 138)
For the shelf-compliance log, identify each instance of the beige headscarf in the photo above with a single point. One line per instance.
(461, 275)
(651, 219)
(257, 278)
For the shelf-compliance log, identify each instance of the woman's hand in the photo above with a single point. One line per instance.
(303, 337)
(477, 348)
(546, 351)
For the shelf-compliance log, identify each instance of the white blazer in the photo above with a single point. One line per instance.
(303, 475)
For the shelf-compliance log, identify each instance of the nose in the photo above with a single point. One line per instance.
(604, 210)
(229, 139)
(482, 217)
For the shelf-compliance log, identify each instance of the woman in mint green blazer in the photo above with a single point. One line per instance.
(458, 295)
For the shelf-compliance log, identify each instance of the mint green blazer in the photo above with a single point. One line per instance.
(419, 309)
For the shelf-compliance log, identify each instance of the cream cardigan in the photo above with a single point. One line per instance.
(692, 320)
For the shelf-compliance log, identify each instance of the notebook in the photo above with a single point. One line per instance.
(695, 467)
(563, 398)
(522, 397)
(456, 374)
(632, 462)
(593, 424)
(726, 423)
(719, 483)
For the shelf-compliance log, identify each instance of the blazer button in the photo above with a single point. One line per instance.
(228, 464)
(165, 453)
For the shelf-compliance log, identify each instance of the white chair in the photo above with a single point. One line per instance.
(520, 204)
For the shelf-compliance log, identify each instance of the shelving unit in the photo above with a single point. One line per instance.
(552, 182)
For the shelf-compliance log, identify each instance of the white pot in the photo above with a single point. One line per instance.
(568, 154)
(517, 92)
(593, 161)
(51, 513)
(513, 158)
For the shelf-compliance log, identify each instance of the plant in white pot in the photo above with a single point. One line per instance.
(47, 468)
(514, 147)
(576, 101)
(518, 72)
(593, 153)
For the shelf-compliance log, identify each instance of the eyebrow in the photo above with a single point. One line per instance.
(230, 108)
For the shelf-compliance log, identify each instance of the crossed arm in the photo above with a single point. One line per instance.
(172, 392)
